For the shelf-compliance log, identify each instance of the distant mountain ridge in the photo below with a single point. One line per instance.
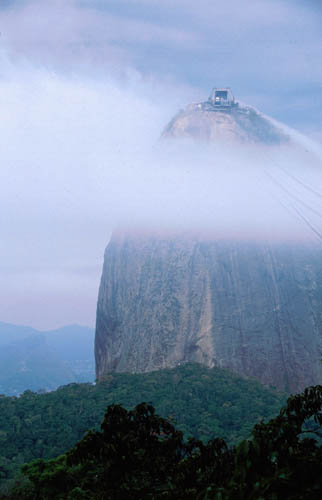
(35, 360)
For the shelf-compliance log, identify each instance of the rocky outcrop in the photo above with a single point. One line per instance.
(253, 308)
(249, 304)
(242, 123)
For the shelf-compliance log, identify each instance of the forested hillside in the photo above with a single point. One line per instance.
(202, 402)
(138, 455)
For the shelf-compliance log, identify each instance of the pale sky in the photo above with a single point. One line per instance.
(86, 87)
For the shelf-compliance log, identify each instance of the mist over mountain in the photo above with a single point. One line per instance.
(233, 121)
(223, 265)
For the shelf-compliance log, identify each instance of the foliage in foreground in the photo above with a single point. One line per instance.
(139, 455)
(204, 403)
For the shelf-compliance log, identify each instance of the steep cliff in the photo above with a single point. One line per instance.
(250, 302)
(253, 308)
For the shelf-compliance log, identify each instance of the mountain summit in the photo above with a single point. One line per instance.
(222, 118)
(243, 293)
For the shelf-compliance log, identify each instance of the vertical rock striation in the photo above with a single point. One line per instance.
(253, 308)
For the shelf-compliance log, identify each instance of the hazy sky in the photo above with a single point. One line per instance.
(87, 86)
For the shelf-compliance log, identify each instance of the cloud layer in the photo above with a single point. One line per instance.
(85, 91)
(268, 51)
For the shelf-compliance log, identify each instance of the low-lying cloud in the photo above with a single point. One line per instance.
(86, 88)
(83, 156)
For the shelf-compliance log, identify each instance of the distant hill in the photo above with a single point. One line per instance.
(31, 364)
(42, 361)
(11, 333)
(203, 402)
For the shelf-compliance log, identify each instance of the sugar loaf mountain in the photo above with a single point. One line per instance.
(246, 300)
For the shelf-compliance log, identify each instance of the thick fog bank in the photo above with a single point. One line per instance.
(81, 157)
(226, 192)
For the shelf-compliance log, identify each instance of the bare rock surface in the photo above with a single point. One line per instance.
(253, 308)
(242, 123)
(252, 305)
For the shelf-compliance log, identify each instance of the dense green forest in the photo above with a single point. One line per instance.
(203, 403)
(138, 455)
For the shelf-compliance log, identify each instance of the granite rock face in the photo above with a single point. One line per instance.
(253, 308)
(244, 124)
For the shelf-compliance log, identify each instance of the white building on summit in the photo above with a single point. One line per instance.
(222, 97)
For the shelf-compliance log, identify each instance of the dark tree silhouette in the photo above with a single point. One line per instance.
(139, 455)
